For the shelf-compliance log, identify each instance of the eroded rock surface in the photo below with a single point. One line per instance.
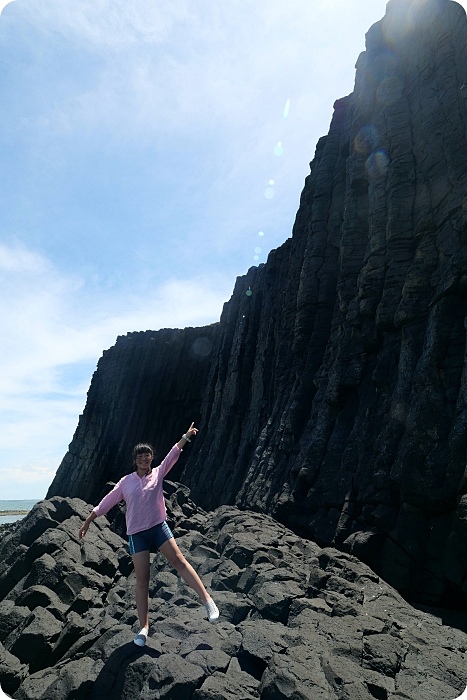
(297, 621)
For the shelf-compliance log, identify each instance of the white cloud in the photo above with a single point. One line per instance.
(159, 64)
(49, 320)
(110, 23)
(35, 474)
(20, 259)
(28, 481)
(51, 342)
(205, 62)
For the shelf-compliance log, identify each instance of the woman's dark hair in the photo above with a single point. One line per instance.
(140, 449)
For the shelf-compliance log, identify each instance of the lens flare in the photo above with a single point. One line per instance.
(402, 20)
(286, 111)
(269, 193)
(377, 165)
(278, 149)
(249, 292)
(260, 233)
(202, 346)
(257, 250)
(366, 140)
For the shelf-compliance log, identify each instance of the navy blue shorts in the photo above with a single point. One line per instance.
(156, 536)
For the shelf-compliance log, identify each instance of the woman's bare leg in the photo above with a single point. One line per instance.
(176, 559)
(141, 564)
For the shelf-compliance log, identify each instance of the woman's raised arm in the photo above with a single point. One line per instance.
(186, 436)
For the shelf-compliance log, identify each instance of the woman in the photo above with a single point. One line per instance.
(146, 524)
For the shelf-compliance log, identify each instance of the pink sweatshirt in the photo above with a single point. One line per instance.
(145, 505)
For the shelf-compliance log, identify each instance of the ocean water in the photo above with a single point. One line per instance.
(14, 505)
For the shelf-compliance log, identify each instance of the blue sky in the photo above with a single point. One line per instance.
(151, 152)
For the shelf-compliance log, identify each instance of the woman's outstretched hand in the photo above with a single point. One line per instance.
(191, 431)
(186, 437)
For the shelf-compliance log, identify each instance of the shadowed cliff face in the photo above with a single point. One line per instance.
(334, 395)
(148, 387)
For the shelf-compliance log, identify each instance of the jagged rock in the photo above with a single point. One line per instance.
(35, 638)
(12, 671)
(40, 596)
(297, 621)
(232, 684)
(12, 616)
(334, 394)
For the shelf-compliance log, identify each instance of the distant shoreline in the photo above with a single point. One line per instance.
(13, 512)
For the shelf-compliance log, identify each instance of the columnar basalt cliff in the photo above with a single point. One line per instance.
(332, 394)
(148, 385)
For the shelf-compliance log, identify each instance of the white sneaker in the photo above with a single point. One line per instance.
(212, 610)
(141, 637)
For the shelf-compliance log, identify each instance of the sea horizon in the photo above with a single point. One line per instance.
(13, 505)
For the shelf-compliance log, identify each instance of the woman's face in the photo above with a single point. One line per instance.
(143, 460)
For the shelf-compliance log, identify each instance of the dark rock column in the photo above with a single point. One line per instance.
(147, 388)
(360, 349)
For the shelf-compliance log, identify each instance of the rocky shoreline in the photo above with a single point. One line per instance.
(297, 620)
